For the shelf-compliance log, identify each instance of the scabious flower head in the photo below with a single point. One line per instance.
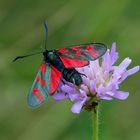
(102, 81)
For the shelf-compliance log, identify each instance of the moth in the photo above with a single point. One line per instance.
(60, 64)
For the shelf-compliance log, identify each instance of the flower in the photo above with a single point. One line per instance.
(102, 82)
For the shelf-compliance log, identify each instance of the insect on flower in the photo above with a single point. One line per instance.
(60, 64)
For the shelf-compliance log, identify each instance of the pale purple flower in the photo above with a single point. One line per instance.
(102, 82)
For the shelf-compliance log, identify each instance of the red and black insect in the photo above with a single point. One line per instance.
(60, 64)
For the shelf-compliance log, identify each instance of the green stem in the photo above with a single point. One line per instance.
(95, 123)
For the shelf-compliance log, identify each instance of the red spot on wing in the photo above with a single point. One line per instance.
(35, 90)
(92, 51)
(42, 68)
(76, 48)
(43, 82)
(54, 79)
(89, 47)
(39, 97)
(73, 62)
(94, 54)
(78, 53)
(63, 50)
(38, 78)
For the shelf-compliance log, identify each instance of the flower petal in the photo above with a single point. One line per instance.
(105, 97)
(113, 54)
(85, 88)
(106, 62)
(125, 63)
(129, 72)
(76, 108)
(59, 96)
(67, 88)
(92, 86)
(121, 95)
(83, 93)
(133, 70)
(73, 96)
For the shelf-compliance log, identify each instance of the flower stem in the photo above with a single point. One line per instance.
(95, 123)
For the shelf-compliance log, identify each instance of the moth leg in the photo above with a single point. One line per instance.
(63, 81)
(73, 81)
(82, 74)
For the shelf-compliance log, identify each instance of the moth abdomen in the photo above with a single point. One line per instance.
(71, 75)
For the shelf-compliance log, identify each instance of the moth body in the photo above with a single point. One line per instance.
(69, 74)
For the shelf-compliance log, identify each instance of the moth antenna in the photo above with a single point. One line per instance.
(46, 36)
(23, 56)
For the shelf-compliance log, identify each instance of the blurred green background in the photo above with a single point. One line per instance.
(70, 22)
